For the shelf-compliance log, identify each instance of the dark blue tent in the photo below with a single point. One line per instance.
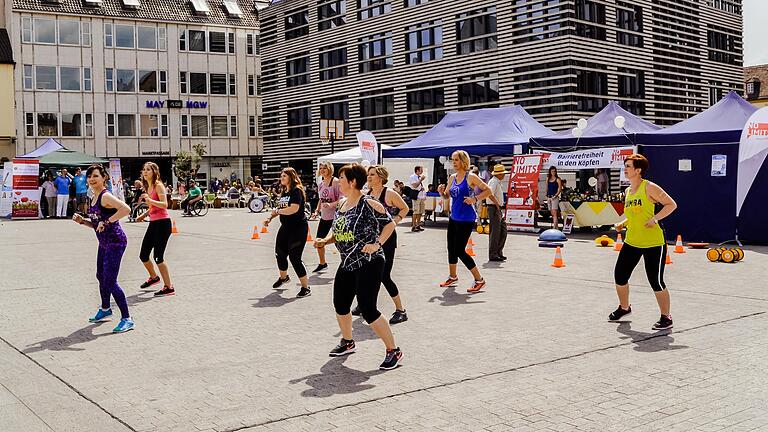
(706, 204)
(482, 132)
(601, 131)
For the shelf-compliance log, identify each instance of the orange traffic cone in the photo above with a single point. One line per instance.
(470, 242)
(619, 243)
(255, 235)
(669, 259)
(470, 251)
(309, 234)
(558, 259)
(679, 245)
(264, 230)
(173, 229)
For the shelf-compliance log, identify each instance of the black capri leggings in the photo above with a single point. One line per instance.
(389, 248)
(289, 245)
(458, 236)
(363, 282)
(654, 258)
(156, 238)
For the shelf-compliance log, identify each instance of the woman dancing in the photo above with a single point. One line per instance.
(159, 229)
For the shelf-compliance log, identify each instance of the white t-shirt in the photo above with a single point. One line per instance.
(416, 179)
(497, 188)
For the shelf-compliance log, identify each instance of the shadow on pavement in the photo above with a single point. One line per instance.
(335, 378)
(66, 343)
(274, 299)
(317, 279)
(139, 298)
(360, 331)
(451, 298)
(649, 342)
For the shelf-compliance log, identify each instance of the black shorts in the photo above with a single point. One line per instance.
(324, 227)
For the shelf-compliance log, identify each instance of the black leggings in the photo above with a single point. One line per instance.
(458, 236)
(290, 244)
(389, 256)
(363, 282)
(654, 258)
(156, 238)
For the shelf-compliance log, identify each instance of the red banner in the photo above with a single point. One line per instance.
(26, 190)
(25, 174)
(522, 191)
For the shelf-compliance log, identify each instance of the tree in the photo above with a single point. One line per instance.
(188, 163)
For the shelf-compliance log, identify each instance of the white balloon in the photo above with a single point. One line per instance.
(443, 159)
(448, 165)
(366, 163)
(582, 124)
(619, 122)
(577, 132)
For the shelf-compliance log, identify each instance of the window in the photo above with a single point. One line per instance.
(409, 3)
(164, 125)
(219, 126)
(86, 35)
(69, 77)
(480, 90)
(231, 38)
(629, 19)
(424, 42)
(333, 60)
(299, 122)
(252, 126)
(217, 42)
(476, 31)
(753, 89)
(26, 31)
(184, 126)
(233, 126)
(109, 80)
(251, 86)
(375, 52)
(591, 82)
(124, 37)
(147, 37)
(69, 32)
(71, 125)
(232, 85)
(588, 10)
(258, 84)
(47, 124)
(161, 42)
(297, 70)
(89, 125)
(29, 124)
(126, 125)
(632, 86)
(371, 8)
(150, 125)
(377, 109)
(199, 125)
(110, 125)
(218, 84)
(182, 40)
(250, 47)
(28, 78)
(183, 82)
(331, 14)
(197, 40)
(425, 99)
(108, 39)
(163, 82)
(198, 83)
(45, 31)
(147, 82)
(126, 81)
(732, 6)
(45, 77)
(87, 81)
(723, 47)
(296, 24)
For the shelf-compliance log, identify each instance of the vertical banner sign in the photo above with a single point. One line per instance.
(116, 173)
(26, 191)
(369, 148)
(6, 190)
(522, 192)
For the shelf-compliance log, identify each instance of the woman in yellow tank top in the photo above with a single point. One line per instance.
(645, 239)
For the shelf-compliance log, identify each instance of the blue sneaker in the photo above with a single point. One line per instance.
(126, 324)
(101, 315)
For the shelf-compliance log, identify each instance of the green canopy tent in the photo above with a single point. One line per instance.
(52, 153)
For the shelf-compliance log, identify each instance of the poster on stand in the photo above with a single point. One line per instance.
(369, 148)
(116, 175)
(522, 190)
(25, 198)
(6, 190)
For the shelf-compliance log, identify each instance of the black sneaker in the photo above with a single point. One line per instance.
(149, 282)
(320, 267)
(619, 313)
(304, 292)
(392, 359)
(664, 323)
(343, 348)
(356, 311)
(166, 291)
(398, 317)
(280, 281)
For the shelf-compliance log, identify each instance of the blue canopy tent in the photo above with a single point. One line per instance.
(482, 132)
(601, 131)
(706, 203)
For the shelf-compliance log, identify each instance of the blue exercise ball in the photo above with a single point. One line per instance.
(552, 235)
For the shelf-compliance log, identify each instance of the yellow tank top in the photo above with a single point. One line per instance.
(638, 209)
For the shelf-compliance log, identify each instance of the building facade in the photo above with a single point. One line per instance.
(396, 66)
(756, 85)
(139, 80)
(7, 123)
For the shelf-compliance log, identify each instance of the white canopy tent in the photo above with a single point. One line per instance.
(399, 169)
(753, 150)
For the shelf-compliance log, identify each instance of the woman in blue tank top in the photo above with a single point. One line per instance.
(463, 218)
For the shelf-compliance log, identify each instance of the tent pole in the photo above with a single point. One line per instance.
(736, 239)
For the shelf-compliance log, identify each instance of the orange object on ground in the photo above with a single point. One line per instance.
(470, 251)
(669, 259)
(470, 242)
(173, 229)
(264, 230)
(255, 235)
(309, 234)
(558, 259)
(679, 245)
(619, 243)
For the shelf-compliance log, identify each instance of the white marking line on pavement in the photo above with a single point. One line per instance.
(26, 406)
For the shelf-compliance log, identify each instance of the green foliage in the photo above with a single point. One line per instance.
(188, 163)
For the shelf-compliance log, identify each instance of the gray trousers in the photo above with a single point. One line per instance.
(498, 236)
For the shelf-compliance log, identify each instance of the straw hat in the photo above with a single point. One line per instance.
(498, 169)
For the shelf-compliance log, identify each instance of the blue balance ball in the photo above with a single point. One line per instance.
(552, 235)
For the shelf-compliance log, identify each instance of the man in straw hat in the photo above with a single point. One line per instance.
(495, 202)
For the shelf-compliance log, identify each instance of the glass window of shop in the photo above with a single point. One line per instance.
(124, 36)
(47, 124)
(126, 125)
(71, 125)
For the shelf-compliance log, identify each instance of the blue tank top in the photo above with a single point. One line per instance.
(551, 188)
(461, 211)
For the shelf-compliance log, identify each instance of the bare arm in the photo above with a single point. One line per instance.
(388, 229)
(476, 181)
(109, 201)
(443, 189)
(396, 200)
(658, 195)
(559, 187)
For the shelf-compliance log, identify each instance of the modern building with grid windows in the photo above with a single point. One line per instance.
(396, 66)
(139, 80)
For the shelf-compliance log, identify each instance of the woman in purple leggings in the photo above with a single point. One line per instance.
(104, 212)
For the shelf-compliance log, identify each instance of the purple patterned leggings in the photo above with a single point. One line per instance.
(107, 269)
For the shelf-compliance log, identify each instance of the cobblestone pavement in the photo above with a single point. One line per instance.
(227, 353)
